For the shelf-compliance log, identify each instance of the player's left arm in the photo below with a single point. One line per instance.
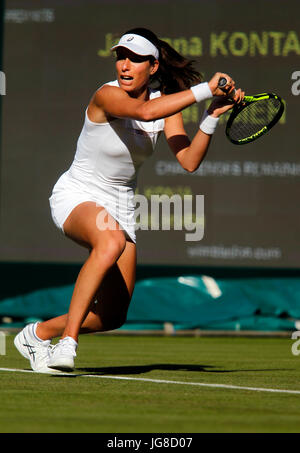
(190, 154)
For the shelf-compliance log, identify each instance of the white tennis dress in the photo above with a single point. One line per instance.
(105, 166)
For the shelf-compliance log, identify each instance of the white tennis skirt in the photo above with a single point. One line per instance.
(118, 201)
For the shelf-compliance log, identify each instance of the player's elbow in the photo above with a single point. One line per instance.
(191, 165)
(191, 168)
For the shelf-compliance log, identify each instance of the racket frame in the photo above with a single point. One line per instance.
(247, 101)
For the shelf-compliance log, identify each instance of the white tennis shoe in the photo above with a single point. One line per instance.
(37, 351)
(62, 355)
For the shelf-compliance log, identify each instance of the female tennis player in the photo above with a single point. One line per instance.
(122, 123)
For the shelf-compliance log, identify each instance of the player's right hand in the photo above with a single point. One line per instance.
(214, 84)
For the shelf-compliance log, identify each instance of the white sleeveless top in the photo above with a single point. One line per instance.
(105, 167)
(112, 153)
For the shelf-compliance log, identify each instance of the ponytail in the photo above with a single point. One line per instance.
(175, 72)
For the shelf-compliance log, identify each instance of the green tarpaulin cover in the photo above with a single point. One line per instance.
(188, 302)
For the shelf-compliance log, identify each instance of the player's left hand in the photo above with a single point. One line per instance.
(221, 104)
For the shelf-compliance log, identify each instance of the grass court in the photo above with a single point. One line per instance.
(172, 385)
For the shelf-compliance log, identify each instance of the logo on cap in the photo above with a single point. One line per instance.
(130, 38)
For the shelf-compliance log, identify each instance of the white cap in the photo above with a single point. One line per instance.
(137, 44)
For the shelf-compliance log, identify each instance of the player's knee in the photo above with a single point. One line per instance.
(108, 254)
(115, 323)
(114, 320)
(104, 323)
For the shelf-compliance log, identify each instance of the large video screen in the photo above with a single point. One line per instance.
(56, 55)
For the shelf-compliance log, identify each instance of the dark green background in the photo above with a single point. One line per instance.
(52, 69)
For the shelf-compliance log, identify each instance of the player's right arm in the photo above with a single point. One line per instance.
(115, 102)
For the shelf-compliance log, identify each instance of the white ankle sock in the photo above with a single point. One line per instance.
(34, 332)
(71, 340)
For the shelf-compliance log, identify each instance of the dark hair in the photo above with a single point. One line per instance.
(175, 73)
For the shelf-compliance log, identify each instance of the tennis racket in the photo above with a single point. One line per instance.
(253, 117)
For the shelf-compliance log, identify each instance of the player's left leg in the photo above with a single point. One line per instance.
(109, 310)
(115, 292)
(112, 302)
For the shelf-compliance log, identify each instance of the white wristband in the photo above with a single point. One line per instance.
(208, 123)
(201, 91)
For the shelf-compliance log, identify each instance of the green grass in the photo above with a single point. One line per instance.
(35, 403)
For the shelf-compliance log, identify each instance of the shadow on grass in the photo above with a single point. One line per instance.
(141, 369)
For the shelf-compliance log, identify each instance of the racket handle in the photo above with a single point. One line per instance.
(222, 84)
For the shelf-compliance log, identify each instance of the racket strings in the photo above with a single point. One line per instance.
(253, 118)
